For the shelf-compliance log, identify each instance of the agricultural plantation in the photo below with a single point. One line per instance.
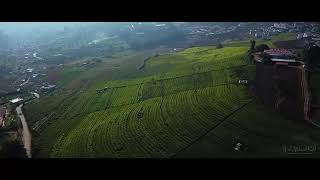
(184, 104)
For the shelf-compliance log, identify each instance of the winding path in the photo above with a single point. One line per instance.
(26, 135)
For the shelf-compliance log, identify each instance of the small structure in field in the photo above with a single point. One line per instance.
(102, 90)
(239, 146)
(243, 81)
(140, 115)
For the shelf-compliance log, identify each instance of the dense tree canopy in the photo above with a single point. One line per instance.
(262, 47)
(219, 46)
(12, 149)
(253, 44)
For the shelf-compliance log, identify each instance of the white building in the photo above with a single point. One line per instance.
(16, 100)
(30, 70)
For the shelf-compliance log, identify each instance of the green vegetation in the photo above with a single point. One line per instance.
(194, 70)
(261, 129)
(262, 47)
(168, 123)
(10, 121)
(157, 111)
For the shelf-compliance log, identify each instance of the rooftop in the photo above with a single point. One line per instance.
(16, 100)
(283, 60)
(279, 52)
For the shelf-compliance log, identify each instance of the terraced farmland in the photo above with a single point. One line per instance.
(264, 132)
(167, 124)
(159, 112)
(155, 116)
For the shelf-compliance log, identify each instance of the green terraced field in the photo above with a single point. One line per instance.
(159, 111)
(261, 129)
(167, 124)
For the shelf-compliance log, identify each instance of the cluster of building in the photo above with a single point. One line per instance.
(209, 30)
(281, 56)
(236, 31)
(139, 27)
(282, 81)
(265, 32)
(303, 30)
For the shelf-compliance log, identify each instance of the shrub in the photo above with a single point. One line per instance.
(262, 47)
(219, 46)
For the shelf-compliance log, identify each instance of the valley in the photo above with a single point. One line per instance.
(151, 90)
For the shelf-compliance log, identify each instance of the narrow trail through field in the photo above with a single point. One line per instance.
(195, 72)
(26, 135)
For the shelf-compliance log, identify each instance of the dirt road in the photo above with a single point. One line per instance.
(305, 88)
(26, 135)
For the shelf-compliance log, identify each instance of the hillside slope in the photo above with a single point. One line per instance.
(163, 110)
